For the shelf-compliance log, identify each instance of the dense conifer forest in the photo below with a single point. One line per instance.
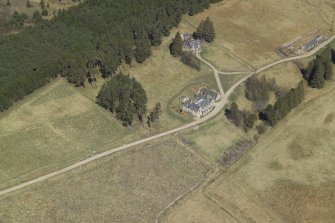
(98, 33)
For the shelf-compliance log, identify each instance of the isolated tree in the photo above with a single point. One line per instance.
(176, 47)
(154, 117)
(8, 3)
(209, 31)
(28, 4)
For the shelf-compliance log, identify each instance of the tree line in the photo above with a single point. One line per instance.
(103, 32)
(283, 105)
(271, 114)
(320, 69)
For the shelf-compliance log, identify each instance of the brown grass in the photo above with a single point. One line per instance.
(250, 31)
(132, 186)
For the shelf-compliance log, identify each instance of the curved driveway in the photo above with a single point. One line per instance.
(218, 107)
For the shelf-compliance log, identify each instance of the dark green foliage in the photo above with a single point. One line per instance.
(142, 42)
(28, 4)
(125, 97)
(234, 115)
(191, 60)
(205, 31)
(317, 78)
(240, 119)
(258, 91)
(8, 3)
(104, 31)
(44, 12)
(37, 17)
(154, 116)
(320, 69)
(249, 121)
(284, 104)
(269, 115)
(199, 34)
(18, 19)
(176, 47)
(209, 31)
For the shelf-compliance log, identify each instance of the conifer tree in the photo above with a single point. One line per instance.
(154, 117)
(8, 3)
(176, 47)
(209, 31)
(317, 80)
(199, 34)
(142, 51)
(270, 115)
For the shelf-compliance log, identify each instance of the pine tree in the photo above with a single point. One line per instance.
(234, 114)
(154, 117)
(317, 80)
(199, 34)
(8, 3)
(329, 72)
(308, 72)
(155, 37)
(176, 47)
(142, 51)
(270, 115)
(209, 31)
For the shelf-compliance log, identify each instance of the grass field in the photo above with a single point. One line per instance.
(250, 31)
(53, 127)
(132, 186)
(289, 175)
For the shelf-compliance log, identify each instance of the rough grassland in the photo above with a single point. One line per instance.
(289, 176)
(132, 186)
(250, 31)
(54, 127)
(213, 138)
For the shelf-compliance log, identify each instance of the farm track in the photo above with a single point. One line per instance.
(218, 107)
